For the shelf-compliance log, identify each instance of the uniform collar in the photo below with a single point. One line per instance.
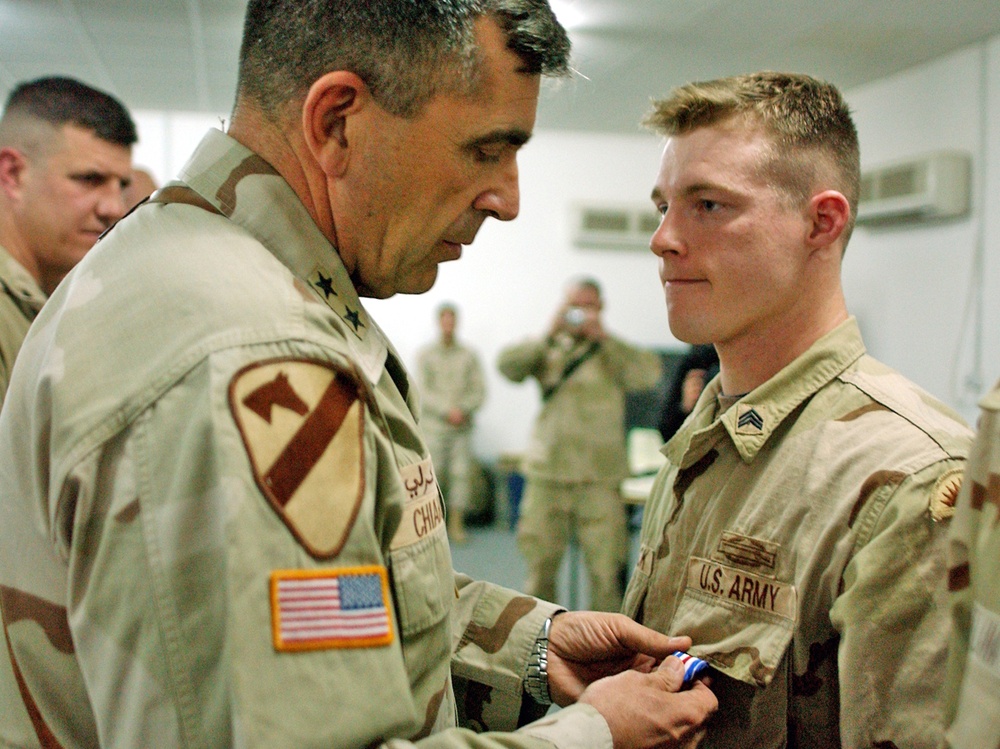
(20, 284)
(758, 414)
(245, 188)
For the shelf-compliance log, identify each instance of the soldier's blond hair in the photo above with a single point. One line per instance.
(813, 138)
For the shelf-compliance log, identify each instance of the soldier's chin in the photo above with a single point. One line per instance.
(685, 332)
(415, 283)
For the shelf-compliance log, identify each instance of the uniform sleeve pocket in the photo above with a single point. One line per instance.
(740, 622)
(423, 582)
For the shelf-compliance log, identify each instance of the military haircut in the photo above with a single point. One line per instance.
(803, 117)
(61, 101)
(406, 51)
(446, 307)
(586, 282)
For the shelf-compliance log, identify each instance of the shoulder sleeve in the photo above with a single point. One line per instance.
(574, 727)
(632, 367)
(521, 360)
(13, 327)
(892, 616)
(220, 585)
(972, 689)
(495, 629)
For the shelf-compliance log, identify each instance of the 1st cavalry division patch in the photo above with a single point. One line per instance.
(302, 424)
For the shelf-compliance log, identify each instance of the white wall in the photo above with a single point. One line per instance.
(910, 286)
(510, 281)
(166, 139)
(913, 288)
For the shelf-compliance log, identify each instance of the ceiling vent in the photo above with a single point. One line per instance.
(932, 186)
(614, 227)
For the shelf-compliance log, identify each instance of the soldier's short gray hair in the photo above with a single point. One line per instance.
(406, 51)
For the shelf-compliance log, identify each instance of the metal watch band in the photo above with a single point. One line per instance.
(536, 675)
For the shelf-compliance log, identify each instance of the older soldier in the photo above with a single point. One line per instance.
(65, 157)
(218, 520)
(796, 531)
(973, 687)
(451, 383)
(576, 460)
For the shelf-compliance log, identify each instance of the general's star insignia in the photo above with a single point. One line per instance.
(325, 284)
(354, 318)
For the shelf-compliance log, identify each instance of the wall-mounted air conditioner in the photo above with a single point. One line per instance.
(932, 186)
(613, 226)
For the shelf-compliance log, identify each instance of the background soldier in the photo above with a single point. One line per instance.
(973, 685)
(453, 389)
(576, 461)
(65, 157)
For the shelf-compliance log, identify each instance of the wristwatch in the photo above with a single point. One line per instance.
(536, 675)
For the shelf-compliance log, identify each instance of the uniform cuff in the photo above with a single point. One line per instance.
(574, 727)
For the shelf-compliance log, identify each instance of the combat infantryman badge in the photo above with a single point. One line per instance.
(302, 424)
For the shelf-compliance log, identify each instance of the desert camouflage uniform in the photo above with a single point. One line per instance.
(218, 522)
(450, 377)
(575, 461)
(797, 537)
(20, 300)
(973, 686)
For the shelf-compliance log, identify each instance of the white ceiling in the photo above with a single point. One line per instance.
(181, 54)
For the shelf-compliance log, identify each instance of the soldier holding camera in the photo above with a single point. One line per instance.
(575, 461)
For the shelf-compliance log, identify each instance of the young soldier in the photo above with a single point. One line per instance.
(796, 531)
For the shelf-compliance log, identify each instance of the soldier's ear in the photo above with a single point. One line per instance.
(12, 166)
(329, 115)
(829, 214)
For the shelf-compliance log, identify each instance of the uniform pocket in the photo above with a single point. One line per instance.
(741, 622)
(423, 582)
(635, 593)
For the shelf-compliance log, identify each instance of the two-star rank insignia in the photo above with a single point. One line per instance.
(322, 282)
(302, 424)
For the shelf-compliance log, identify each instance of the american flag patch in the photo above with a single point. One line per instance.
(330, 608)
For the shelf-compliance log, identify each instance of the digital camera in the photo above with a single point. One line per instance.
(575, 316)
